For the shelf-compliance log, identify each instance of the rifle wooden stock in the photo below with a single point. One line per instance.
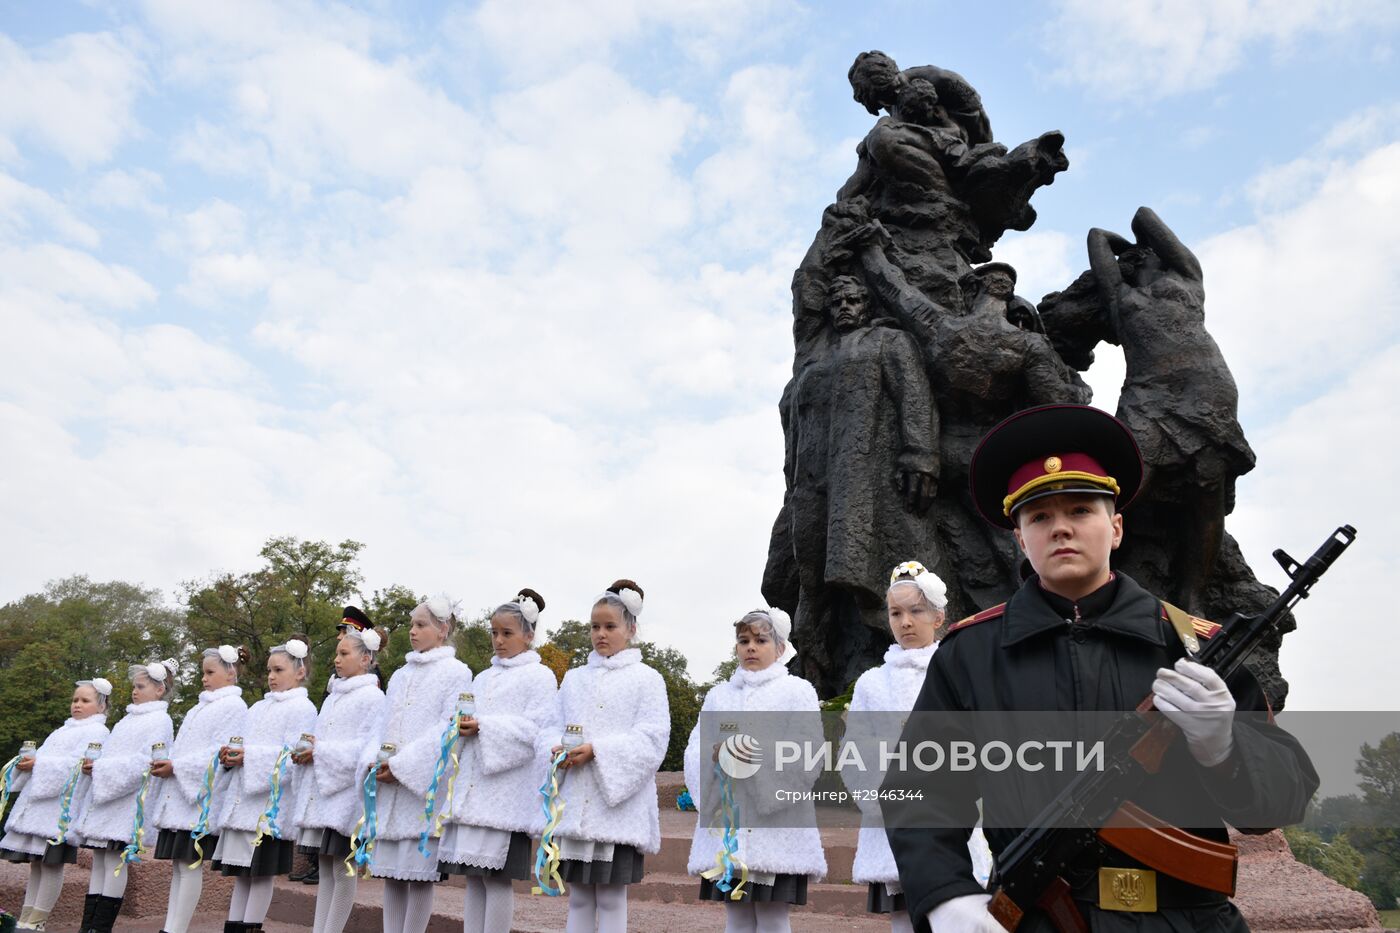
(1172, 851)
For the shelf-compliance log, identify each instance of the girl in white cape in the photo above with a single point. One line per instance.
(42, 779)
(217, 717)
(915, 603)
(610, 819)
(419, 705)
(258, 806)
(108, 818)
(784, 857)
(496, 804)
(328, 780)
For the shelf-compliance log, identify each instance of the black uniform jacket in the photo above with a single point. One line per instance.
(1045, 653)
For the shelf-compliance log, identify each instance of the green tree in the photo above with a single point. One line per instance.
(474, 642)
(1337, 859)
(299, 590)
(682, 697)
(572, 638)
(390, 609)
(1332, 815)
(75, 630)
(1379, 839)
(723, 671)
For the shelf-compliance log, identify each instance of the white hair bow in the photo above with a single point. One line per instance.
(631, 599)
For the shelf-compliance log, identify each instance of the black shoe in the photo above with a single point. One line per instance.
(104, 916)
(89, 905)
(234, 926)
(311, 877)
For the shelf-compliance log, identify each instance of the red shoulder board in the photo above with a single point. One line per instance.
(1203, 628)
(996, 612)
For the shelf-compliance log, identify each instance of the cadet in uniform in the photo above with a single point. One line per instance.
(1079, 636)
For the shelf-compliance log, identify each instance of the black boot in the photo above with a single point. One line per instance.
(104, 916)
(89, 906)
(234, 926)
(314, 875)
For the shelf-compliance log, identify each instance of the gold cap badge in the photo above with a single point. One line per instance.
(1052, 464)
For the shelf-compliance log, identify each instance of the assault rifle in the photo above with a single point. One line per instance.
(1031, 870)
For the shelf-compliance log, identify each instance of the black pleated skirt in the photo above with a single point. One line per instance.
(627, 867)
(178, 845)
(110, 845)
(332, 845)
(61, 854)
(785, 889)
(519, 864)
(272, 857)
(878, 900)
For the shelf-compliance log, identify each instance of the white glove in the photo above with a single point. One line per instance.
(966, 914)
(1195, 698)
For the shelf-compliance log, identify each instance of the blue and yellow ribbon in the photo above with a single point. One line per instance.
(65, 810)
(727, 858)
(447, 753)
(132, 852)
(7, 782)
(267, 823)
(547, 878)
(206, 796)
(362, 846)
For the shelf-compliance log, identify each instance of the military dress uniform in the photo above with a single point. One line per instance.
(1040, 651)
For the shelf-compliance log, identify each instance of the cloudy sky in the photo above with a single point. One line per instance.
(502, 289)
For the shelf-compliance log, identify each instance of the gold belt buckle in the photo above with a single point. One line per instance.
(1129, 889)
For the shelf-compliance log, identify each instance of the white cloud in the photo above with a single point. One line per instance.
(24, 207)
(1323, 464)
(705, 31)
(1045, 260)
(1160, 48)
(58, 272)
(1306, 294)
(133, 189)
(1303, 304)
(73, 96)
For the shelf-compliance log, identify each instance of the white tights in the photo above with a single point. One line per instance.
(335, 896)
(186, 883)
(105, 880)
(900, 922)
(45, 883)
(408, 906)
(488, 907)
(251, 898)
(597, 906)
(749, 917)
